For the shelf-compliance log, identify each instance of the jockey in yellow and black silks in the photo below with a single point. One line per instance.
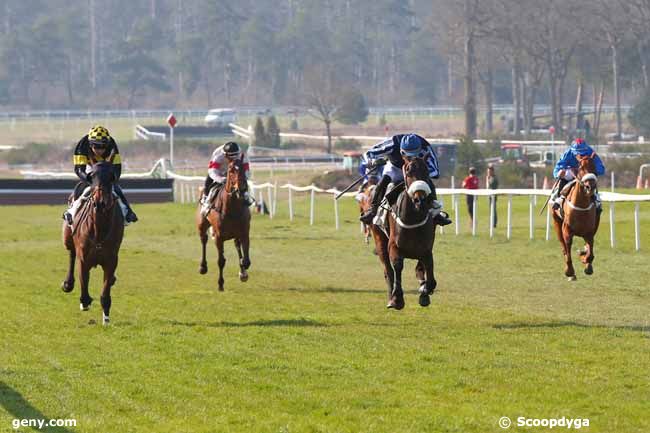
(96, 146)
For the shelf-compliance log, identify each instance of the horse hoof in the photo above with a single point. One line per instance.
(106, 320)
(83, 307)
(396, 303)
(589, 269)
(243, 277)
(425, 300)
(67, 286)
(572, 278)
(203, 269)
(221, 288)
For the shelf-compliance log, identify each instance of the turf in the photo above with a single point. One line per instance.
(307, 344)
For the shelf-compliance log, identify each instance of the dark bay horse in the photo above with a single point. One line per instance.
(579, 217)
(411, 235)
(95, 238)
(229, 218)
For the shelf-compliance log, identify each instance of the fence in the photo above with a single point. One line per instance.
(186, 190)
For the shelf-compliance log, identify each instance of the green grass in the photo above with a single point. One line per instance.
(307, 344)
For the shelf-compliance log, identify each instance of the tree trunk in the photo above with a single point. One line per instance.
(470, 91)
(93, 46)
(488, 86)
(328, 128)
(516, 98)
(530, 107)
(617, 91)
(552, 84)
(450, 78)
(579, 97)
(644, 64)
(599, 108)
(68, 80)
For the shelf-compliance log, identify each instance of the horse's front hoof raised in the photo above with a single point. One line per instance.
(572, 278)
(67, 286)
(243, 276)
(425, 300)
(203, 269)
(589, 269)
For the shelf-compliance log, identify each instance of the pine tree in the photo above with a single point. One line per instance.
(261, 138)
(272, 132)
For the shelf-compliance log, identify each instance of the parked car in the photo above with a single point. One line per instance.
(220, 117)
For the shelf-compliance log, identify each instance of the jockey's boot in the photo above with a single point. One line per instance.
(248, 200)
(556, 197)
(377, 196)
(598, 202)
(205, 205)
(68, 215)
(442, 218)
(127, 212)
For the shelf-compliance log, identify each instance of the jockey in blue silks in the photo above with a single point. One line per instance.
(395, 149)
(566, 169)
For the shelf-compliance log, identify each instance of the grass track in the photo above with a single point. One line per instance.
(307, 344)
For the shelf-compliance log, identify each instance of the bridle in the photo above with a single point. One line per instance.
(234, 179)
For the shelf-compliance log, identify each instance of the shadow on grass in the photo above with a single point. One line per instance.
(568, 324)
(262, 323)
(16, 405)
(334, 290)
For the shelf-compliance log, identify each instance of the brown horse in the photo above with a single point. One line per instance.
(229, 218)
(364, 198)
(411, 235)
(579, 216)
(95, 238)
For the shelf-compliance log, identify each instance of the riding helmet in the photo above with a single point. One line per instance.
(411, 145)
(98, 135)
(231, 149)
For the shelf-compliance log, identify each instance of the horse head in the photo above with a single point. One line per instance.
(236, 183)
(415, 176)
(587, 174)
(103, 177)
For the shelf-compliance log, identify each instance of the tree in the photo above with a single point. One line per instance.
(261, 139)
(468, 154)
(639, 116)
(353, 108)
(272, 132)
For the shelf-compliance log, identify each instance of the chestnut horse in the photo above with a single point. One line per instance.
(411, 235)
(229, 218)
(95, 238)
(580, 216)
(364, 198)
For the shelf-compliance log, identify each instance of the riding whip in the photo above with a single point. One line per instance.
(549, 197)
(356, 182)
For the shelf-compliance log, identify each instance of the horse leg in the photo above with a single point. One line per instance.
(243, 264)
(68, 283)
(109, 280)
(430, 284)
(221, 262)
(419, 273)
(84, 275)
(381, 249)
(203, 234)
(588, 256)
(397, 296)
(569, 272)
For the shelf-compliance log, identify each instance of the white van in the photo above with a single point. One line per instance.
(220, 117)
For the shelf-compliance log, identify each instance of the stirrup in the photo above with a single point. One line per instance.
(442, 219)
(368, 216)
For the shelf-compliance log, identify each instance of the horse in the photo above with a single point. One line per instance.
(411, 234)
(364, 198)
(579, 217)
(229, 218)
(95, 238)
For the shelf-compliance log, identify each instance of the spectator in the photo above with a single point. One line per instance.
(470, 182)
(491, 182)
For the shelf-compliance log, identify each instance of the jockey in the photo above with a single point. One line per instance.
(97, 145)
(396, 149)
(566, 169)
(367, 177)
(218, 170)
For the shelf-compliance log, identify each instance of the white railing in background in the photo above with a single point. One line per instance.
(143, 133)
(187, 189)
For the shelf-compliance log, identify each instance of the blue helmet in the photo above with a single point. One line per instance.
(412, 146)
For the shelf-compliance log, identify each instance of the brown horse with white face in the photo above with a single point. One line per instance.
(580, 216)
(95, 238)
(412, 234)
(229, 218)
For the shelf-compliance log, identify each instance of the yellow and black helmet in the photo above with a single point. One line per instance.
(98, 135)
